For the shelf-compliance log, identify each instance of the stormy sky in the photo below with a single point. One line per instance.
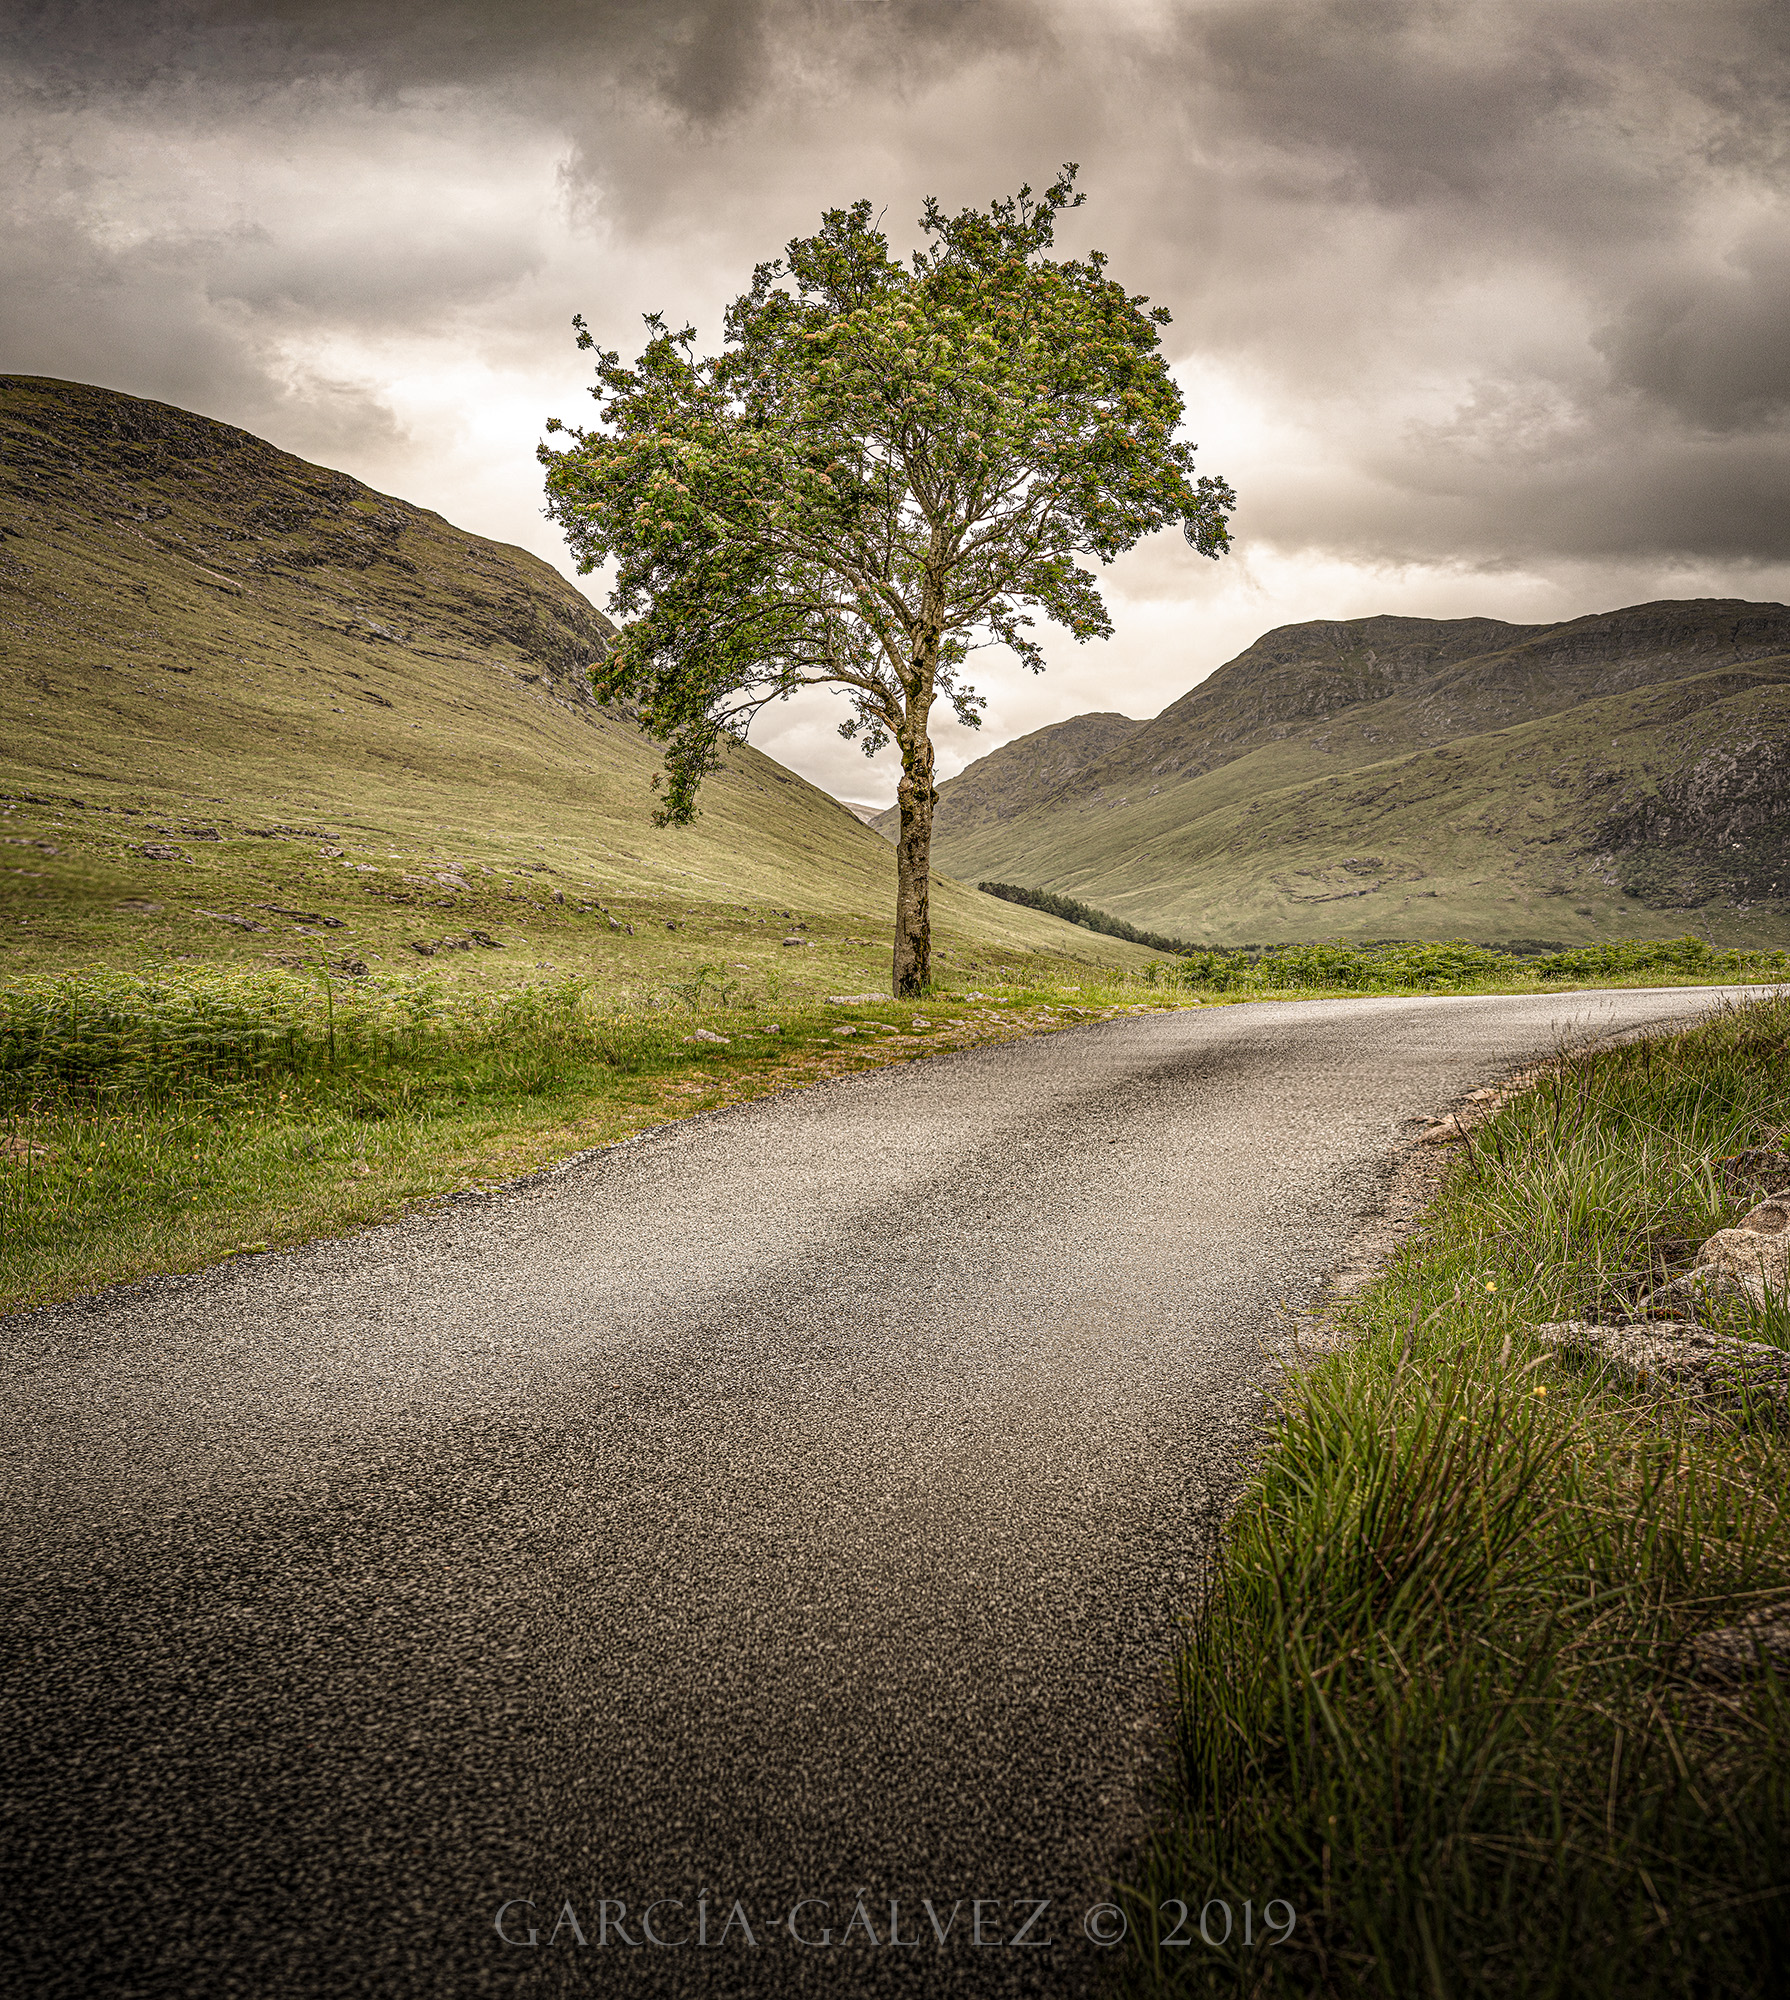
(1481, 305)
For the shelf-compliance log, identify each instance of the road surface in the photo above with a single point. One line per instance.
(794, 1503)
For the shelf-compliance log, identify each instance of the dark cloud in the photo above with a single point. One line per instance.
(1479, 285)
(1712, 346)
(703, 58)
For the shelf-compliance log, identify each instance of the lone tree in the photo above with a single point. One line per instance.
(883, 469)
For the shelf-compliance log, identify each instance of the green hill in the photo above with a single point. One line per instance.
(256, 709)
(1614, 776)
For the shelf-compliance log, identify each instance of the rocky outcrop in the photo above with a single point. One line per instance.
(1682, 1357)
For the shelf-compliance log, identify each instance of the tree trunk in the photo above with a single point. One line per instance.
(913, 873)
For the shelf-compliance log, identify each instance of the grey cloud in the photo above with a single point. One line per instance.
(702, 58)
(1713, 346)
(1516, 273)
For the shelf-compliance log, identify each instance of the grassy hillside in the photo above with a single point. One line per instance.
(260, 714)
(1625, 775)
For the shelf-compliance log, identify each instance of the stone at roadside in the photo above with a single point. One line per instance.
(1759, 1261)
(1750, 1261)
(709, 1035)
(1770, 1218)
(1740, 1652)
(1756, 1168)
(1440, 1131)
(1682, 1356)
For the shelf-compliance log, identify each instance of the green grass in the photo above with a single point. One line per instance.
(1437, 1697)
(162, 1123)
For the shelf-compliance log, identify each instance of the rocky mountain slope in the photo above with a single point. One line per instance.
(1627, 773)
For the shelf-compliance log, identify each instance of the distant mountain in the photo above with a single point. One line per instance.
(1422, 777)
(866, 815)
(1020, 773)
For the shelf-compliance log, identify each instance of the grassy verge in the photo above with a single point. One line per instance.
(1457, 967)
(158, 1124)
(1438, 1706)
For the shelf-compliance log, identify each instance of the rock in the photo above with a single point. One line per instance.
(1750, 1261)
(1756, 1168)
(1442, 1130)
(241, 923)
(709, 1035)
(852, 999)
(157, 850)
(795, 940)
(1760, 1261)
(1679, 1355)
(1770, 1218)
(845, 1031)
(1740, 1652)
(1692, 1290)
(917, 1023)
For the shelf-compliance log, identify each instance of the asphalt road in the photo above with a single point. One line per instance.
(796, 1502)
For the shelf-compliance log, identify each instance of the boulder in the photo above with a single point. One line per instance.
(1757, 1168)
(1707, 1286)
(1750, 1261)
(1770, 1218)
(1761, 1262)
(1680, 1356)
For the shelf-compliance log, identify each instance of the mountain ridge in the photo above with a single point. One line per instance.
(1308, 705)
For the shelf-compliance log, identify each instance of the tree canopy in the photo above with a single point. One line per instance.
(885, 467)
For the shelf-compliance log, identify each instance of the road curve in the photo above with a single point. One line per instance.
(796, 1502)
